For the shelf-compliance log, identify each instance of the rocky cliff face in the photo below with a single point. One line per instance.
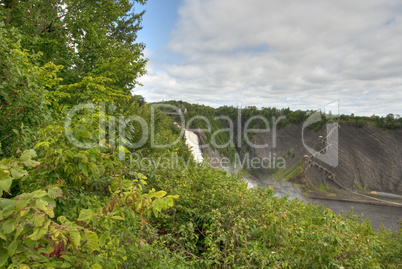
(207, 150)
(368, 157)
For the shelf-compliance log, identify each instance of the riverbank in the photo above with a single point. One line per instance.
(324, 192)
(341, 202)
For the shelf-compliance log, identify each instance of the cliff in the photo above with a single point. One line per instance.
(369, 158)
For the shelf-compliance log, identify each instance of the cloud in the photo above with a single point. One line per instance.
(301, 54)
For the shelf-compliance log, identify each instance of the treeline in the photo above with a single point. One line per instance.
(84, 182)
(389, 122)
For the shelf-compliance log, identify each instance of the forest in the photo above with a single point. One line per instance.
(71, 196)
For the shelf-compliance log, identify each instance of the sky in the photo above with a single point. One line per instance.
(275, 53)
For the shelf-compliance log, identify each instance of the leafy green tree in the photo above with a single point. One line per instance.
(22, 95)
(93, 40)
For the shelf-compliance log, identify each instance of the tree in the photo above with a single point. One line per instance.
(93, 40)
(22, 96)
(62, 52)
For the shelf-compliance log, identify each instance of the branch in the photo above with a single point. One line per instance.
(7, 137)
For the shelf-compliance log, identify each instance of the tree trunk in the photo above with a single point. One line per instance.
(9, 6)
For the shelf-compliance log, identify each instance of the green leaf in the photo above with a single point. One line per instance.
(23, 212)
(84, 134)
(62, 219)
(47, 223)
(46, 144)
(8, 210)
(34, 236)
(4, 174)
(39, 193)
(49, 212)
(18, 231)
(2, 236)
(93, 169)
(42, 205)
(9, 226)
(7, 203)
(75, 237)
(55, 192)
(138, 205)
(17, 172)
(117, 218)
(84, 168)
(27, 156)
(21, 204)
(3, 257)
(96, 266)
(12, 248)
(38, 219)
(123, 149)
(92, 240)
(85, 215)
(50, 201)
(31, 163)
(159, 194)
(121, 251)
(102, 240)
(5, 185)
(38, 233)
(126, 184)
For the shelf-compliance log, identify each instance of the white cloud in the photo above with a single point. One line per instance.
(301, 54)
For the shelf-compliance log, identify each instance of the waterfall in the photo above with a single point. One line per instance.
(251, 183)
(193, 144)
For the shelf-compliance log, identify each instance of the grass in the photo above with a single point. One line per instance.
(286, 174)
(324, 187)
(360, 187)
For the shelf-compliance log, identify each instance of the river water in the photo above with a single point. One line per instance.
(377, 214)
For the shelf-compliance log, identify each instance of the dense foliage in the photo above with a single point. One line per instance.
(82, 190)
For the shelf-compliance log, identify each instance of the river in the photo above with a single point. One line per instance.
(377, 214)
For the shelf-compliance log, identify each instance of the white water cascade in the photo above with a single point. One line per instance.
(193, 144)
(251, 183)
